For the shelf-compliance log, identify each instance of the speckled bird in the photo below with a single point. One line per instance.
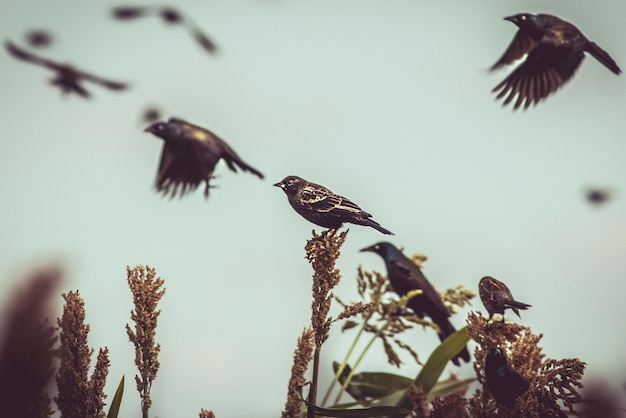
(405, 276)
(497, 297)
(190, 154)
(319, 205)
(67, 78)
(554, 48)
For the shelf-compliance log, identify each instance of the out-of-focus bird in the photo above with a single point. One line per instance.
(598, 196)
(319, 205)
(151, 114)
(170, 16)
(555, 50)
(405, 276)
(38, 38)
(67, 78)
(505, 383)
(189, 156)
(497, 297)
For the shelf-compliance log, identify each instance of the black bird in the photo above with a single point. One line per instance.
(67, 78)
(497, 297)
(317, 204)
(505, 383)
(598, 196)
(189, 156)
(555, 50)
(39, 38)
(405, 276)
(170, 16)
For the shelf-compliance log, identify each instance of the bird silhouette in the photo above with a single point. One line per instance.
(67, 78)
(170, 16)
(554, 48)
(319, 205)
(497, 297)
(406, 276)
(190, 154)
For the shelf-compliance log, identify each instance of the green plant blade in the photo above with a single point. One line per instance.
(428, 376)
(114, 409)
(375, 411)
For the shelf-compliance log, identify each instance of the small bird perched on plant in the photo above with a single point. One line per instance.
(67, 78)
(189, 156)
(406, 276)
(497, 297)
(555, 50)
(506, 384)
(317, 204)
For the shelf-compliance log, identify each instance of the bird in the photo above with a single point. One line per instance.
(170, 16)
(67, 78)
(505, 384)
(598, 196)
(554, 48)
(38, 38)
(190, 154)
(405, 276)
(319, 205)
(497, 297)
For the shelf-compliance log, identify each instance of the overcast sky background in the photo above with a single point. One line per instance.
(387, 103)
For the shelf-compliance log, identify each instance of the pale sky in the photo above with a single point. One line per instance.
(387, 103)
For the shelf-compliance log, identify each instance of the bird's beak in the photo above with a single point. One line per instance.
(149, 129)
(279, 184)
(511, 18)
(371, 248)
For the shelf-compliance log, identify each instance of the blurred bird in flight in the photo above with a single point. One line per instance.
(170, 16)
(497, 297)
(554, 48)
(190, 154)
(38, 38)
(67, 78)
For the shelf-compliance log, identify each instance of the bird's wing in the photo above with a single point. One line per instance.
(519, 46)
(23, 55)
(406, 276)
(113, 85)
(232, 158)
(132, 12)
(545, 70)
(321, 199)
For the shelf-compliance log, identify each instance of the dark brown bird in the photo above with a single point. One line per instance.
(39, 38)
(67, 78)
(554, 48)
(170, 16)
(405, 276)
(598, 196)
(319, 205)
(189, 156)
(497, 297)
(506, 384)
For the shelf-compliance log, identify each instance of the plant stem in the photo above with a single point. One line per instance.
(310, 413)
(356, 365)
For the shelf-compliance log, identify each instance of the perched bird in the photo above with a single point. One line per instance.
(555, 50)
(67, 78)
(170, 16)
(405, 276)
(497, 297)
(505, 383)
(317, 204)
(189, 156)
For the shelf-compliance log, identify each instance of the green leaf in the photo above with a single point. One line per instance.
(375, 411)
(430, 373)
(444, 388)
(377, 385)
(114, 409)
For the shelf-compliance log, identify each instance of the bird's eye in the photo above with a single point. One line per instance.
(523, 17)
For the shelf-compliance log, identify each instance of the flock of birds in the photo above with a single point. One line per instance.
(554, 50)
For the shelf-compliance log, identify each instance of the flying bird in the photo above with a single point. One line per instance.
(405, 276)
(170, 16)
(505, 383)
(189, 156)
(554, 48)
(67, 78)
(497, 297)
(39, 38)
(319, 205)
(598, 196)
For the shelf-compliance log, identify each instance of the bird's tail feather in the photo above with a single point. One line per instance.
(446, 329)
(233, 160)
(603, 56)
(376, 226)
